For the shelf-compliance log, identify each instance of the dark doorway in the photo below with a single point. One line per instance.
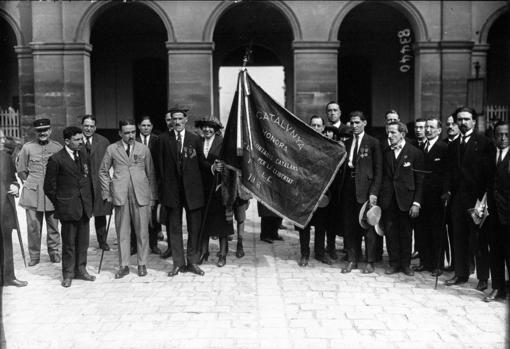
(9, 95)
(498, 62)
(149, 90)
(356, 92)
(129, 65)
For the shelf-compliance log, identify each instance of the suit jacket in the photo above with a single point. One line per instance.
(402, 177)
(137, 169)
(435, 169)
(368, 170)
(153, 141)
(169, 179)
(97, 150)
(69, 186)
(7, 177)
(499, 188)
(469, 176)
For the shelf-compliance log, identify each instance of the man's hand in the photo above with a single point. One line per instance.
(218, 166)
(109, 199)
(414, 211)
(445, 197)
(373, 200)
(13, 190)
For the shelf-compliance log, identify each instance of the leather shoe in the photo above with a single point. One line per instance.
(408, 271)
(104, 246)
(456, 281)
(303, 261)
(437, 272)
(195, 269)
(86, 276)
(482, 285)
(268, 240)
(55, 258)
(495, 295)
(348, 268)
(278, 237)
(239, 250)
(66, 283)
(142, 270)
(33, 262)
(167, 253)
(324, 259)
(176, 270)
(221, 261)
(123, 271)
(419, 268)
(369, 268)
(155, 250)
(391, 270)
(16, 282)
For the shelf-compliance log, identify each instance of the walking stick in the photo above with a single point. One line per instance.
(206, 212)
(18, 229)
(106, 238)
(441, 243)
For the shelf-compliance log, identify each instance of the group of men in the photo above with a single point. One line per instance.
(424, 185)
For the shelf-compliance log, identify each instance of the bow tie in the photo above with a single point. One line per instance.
(397, 146)
(43, 142)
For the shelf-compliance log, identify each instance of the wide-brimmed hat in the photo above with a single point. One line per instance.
(210, 121)
(370, 216)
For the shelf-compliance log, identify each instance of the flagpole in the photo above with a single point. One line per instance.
(242, 74)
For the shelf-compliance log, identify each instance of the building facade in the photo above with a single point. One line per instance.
(125, 59)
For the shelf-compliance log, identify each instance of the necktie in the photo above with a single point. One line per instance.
(128, 150)
(76, 158)
(179, 153)
(427, 147)
(462, 146)
(179, 143)
(500, 157)
(355, 152)
(87, 145)
(145, 140)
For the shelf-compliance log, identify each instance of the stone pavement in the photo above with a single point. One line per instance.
(263, 300)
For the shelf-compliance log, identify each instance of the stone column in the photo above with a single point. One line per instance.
(62, 88)
(26, 89)
(427, 80)
(190, 76)
(315, 76)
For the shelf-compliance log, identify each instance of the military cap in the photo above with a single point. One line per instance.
(178, 108)
(209, 121)
(41, 124)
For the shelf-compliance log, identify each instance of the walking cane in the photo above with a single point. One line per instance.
(441, 243)
(106, 238)
(18, 229)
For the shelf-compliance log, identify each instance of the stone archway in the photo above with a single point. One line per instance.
(375, 61)
(129, 64)
(263, 24)
(498, 61)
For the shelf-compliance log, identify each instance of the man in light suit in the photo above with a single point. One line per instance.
(401, 196)
(95, 145)
(67, 184)
(362, 181)
(132, 191)
(499, 211)
(180, 161)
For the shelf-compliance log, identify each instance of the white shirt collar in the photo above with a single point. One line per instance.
(468, 134)
(337, 124)
(431, 142)
(70, 152)
(503, 151)
(125, 145)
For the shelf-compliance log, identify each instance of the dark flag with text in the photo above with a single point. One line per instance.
(284, 163)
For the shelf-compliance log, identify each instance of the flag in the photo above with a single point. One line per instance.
(284, 163)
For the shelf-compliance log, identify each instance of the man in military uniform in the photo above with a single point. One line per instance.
(31, 168)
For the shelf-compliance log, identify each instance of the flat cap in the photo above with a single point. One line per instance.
(41, 124)
(178, 108)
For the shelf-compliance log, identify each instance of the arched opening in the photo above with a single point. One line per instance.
(129, 65)
(498, 62)
(375, 63)
(9, 88)
(271, 62)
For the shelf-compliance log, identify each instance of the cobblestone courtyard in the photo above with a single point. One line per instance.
(263, 300)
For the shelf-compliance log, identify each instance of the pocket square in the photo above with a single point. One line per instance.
(406, 164)
(437, 159)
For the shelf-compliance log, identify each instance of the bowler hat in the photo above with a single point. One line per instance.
(41, 124)
(209, 121)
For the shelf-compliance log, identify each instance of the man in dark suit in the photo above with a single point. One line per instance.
(468, 174)
(180, 159)
(9, 188)
(95, 146)
(419, 133)
(429, 227)
(150, 140)
(362, 182)
(68, 185)
(452, 130)
(401, 196)
(499, 212)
